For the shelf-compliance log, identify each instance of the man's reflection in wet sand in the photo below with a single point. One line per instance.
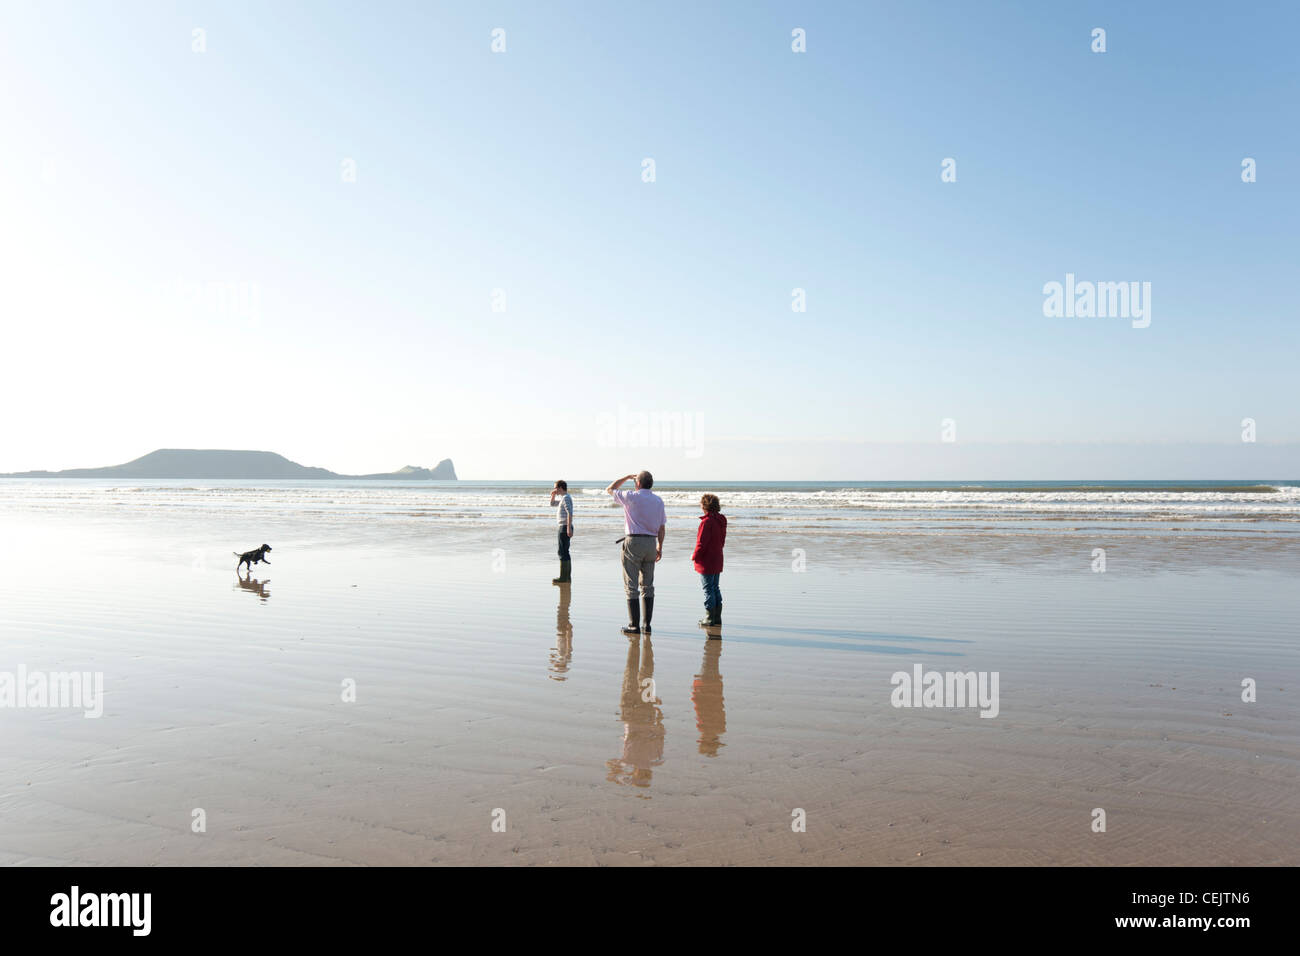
(251, 583)
(706, 695)
(643, 719)
(562, 652)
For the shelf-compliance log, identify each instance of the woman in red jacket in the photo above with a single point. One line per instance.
(707, 557)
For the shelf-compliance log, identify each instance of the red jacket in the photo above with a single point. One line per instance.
(708, 543)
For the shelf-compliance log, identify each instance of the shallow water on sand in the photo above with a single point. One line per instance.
(481, 687)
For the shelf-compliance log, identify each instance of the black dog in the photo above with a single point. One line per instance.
(253, 557)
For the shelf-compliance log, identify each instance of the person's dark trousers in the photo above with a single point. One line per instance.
(566, 566)
(712, 598)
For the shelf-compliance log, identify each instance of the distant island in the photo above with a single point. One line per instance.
(201, 464)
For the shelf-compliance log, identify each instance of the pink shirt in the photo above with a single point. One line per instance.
(643, 511)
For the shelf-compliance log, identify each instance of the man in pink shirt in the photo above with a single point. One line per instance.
(646, 522)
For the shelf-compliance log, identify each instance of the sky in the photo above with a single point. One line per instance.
(355, 235)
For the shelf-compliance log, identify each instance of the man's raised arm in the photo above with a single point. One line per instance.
(613, 485)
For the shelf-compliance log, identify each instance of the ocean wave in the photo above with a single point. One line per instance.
(830, 503)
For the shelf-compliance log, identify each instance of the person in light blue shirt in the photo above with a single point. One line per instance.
(564, 520)
(643, 545)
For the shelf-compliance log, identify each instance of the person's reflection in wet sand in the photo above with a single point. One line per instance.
(251, 583)
(643, 719)
(562, 652)
(706, 695)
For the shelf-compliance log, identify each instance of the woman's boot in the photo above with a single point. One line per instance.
(712, 616)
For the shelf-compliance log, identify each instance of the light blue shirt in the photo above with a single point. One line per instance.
(565, 514)
(643, 511)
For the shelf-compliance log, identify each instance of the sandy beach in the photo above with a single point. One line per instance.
(1003, 431)
(481, 687)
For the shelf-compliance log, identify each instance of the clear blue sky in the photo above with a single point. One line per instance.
(136, 172)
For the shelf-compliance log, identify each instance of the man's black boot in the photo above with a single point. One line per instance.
(649, 613)
(634, 616)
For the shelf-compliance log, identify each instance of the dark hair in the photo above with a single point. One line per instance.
(710, 503)
(645, 480)
(561, 484)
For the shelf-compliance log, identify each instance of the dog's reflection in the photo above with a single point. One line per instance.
(251, 583)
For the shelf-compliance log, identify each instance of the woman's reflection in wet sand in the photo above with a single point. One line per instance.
(562, 652)
(643, 719)
(706, 695)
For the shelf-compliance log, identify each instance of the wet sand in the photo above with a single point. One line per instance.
(480, 686)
